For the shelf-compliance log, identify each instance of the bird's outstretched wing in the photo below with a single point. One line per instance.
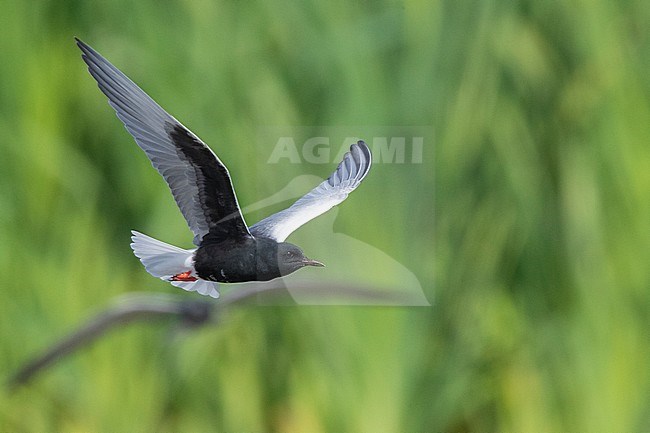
(347, 176)
(198, 180)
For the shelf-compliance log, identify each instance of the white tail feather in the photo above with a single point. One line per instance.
(207, 288)
(164, 261)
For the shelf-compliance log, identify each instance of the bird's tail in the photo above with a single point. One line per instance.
(170, 263)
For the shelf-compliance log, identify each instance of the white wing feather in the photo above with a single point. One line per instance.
(347, 176)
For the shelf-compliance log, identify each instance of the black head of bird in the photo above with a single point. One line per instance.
(227, 250)
(291, 258)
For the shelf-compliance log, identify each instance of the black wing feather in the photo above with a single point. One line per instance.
(215, 192)
(198, 180)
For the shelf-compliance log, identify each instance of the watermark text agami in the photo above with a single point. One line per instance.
(323, 150)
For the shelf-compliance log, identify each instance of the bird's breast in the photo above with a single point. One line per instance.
(235, 262)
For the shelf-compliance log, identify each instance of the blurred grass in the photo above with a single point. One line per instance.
(527, 223)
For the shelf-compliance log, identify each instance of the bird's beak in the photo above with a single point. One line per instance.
(310, 262)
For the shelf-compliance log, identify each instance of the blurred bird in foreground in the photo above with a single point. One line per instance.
(227, 249)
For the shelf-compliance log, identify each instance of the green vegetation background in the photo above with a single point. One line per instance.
(527, 223)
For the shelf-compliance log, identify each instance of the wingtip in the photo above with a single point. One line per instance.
(86, 49)
(361, 150)
(361, 145)
(79, 42)
(134, 235)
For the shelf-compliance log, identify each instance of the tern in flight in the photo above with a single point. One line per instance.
(227, 250)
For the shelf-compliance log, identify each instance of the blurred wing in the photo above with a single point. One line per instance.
(198, 180)
(347, 176)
